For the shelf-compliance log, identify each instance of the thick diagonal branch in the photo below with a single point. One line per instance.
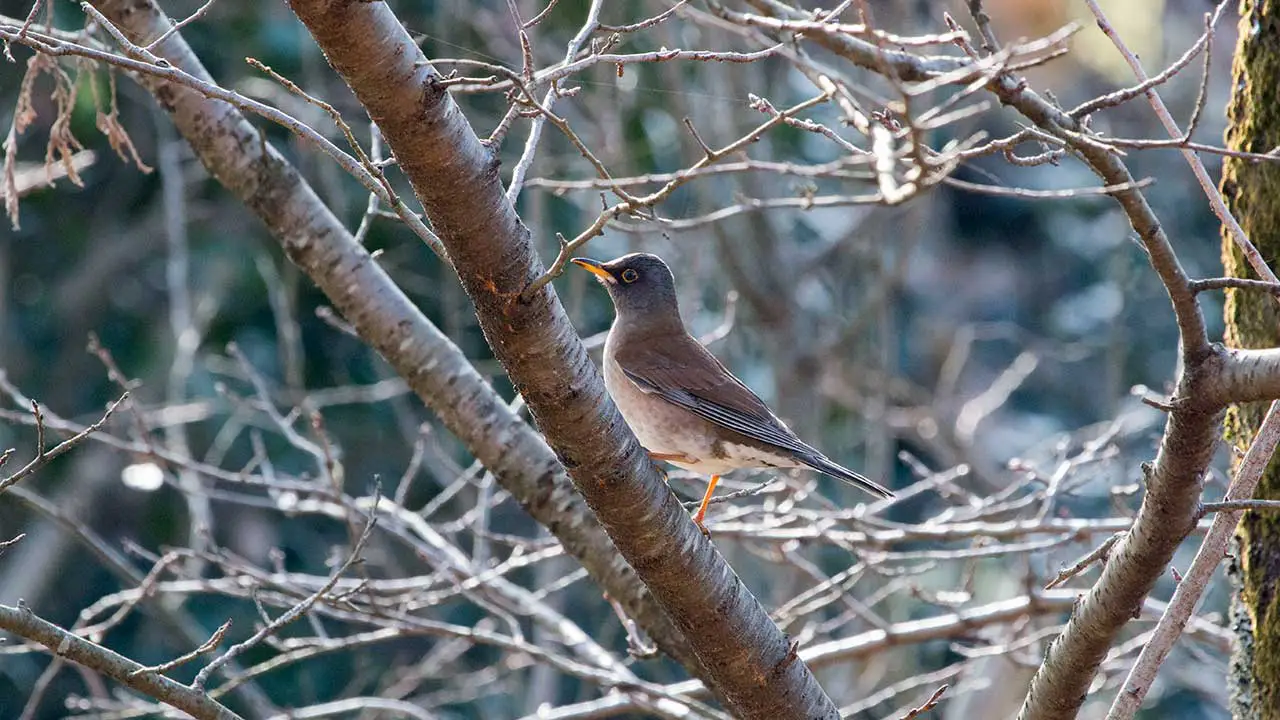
(745, 657)
(437, 371)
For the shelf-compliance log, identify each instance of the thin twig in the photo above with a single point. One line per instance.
(214, 640)
(43, 456)
(637, 647)
(1207, 184)
(199, 13)
(745, 492)
(1236, 283)
(1098, 554)
(928, 705)
(540, 16)
(548, 101)
(50, 44)
(5, 545)
(1234, 505)
(292, 613)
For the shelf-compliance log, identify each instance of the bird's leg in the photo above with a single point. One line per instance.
(702, 509)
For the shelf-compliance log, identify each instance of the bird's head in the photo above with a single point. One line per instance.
(640, 284)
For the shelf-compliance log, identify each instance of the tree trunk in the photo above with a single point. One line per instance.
(1251, 322)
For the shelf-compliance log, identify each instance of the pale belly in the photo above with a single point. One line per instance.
(666, 429)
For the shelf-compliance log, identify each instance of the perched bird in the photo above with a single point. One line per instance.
(682, 404)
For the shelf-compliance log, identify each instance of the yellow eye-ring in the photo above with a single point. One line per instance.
(629, 275)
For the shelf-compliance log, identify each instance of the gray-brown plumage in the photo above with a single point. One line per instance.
(682, 403)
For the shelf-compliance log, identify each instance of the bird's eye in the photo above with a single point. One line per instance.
(629, 275)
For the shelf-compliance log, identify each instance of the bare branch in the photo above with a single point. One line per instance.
(928, 705)
(437, 371)
(1241, 505)
(43, 455)
(589, 26)
(1216, 202)
(292, 614)
(1193, 582)
(24, 623)
(1236, 283)
(198, 80)
(440, 154)
(214, 640)
(1098, 554)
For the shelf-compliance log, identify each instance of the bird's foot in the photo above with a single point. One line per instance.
(702, 509)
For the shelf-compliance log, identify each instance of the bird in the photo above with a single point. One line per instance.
(684, 406)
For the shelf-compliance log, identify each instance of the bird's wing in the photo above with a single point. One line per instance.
(682, 372)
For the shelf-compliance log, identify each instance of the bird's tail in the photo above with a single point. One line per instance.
(823, 465)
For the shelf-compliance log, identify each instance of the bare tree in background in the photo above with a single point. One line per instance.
(890, 109)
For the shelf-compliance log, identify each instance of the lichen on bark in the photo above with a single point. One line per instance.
(1252, 321)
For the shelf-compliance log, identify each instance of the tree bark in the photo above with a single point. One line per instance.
(748, 661)
(1252, 322)
(63, 644)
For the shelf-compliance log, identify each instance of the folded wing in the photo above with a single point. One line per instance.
(691, 377)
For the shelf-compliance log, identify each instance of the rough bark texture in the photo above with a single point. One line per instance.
(1252, 322)
(234, 153)
(746, 658)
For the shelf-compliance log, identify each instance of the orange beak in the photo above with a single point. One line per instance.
(595, 267)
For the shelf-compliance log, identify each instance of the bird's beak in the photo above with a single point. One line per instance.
(595, 267)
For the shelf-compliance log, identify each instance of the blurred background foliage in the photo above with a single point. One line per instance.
(871, 329)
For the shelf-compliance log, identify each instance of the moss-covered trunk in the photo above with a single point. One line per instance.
(1252, 191)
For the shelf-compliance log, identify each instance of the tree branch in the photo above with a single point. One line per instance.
(1168, 511)
(21, 621)
(1245, 375)
(437, 371)
(1191, 586)
(746, 658)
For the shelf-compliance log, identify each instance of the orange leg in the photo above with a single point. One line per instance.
(702, 509)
